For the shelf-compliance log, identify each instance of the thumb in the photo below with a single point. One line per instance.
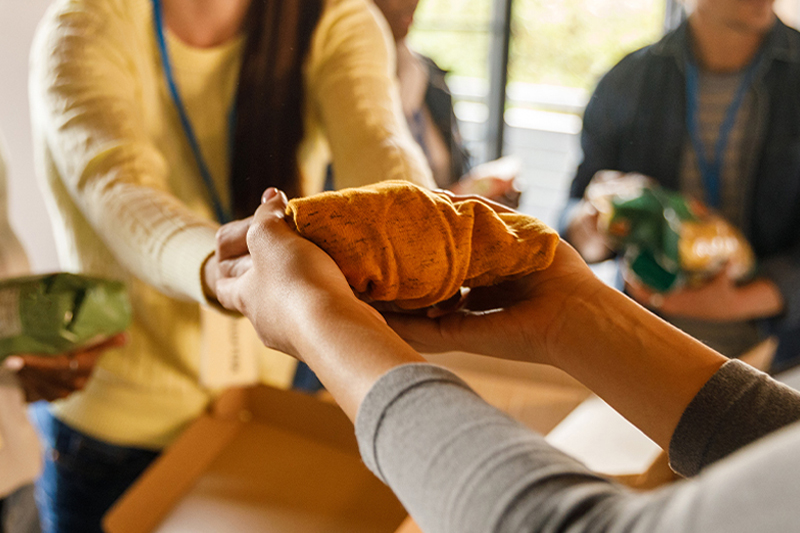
(226, 293)
(273, 203)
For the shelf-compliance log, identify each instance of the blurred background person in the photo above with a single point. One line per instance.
(154, 122)
(709, 111)
(28, 378)
(428, 109)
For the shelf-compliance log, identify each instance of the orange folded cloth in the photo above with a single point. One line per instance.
(400, 243)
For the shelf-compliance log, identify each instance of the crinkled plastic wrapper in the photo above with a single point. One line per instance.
(55, 313)
(667, 240)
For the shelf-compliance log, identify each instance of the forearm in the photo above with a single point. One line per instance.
(645, 368)
(456, 463)
(349, 347)
(459, 465)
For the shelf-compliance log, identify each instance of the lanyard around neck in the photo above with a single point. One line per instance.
(223, 215)
(711, 170)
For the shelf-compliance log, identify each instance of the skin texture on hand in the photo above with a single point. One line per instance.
(300, 303)
(47, 377)
(721, 299)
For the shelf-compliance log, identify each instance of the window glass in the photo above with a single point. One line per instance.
(558, 50)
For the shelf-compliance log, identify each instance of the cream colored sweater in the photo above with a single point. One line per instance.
(127, 201)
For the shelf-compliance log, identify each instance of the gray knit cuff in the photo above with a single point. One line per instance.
(736, 407)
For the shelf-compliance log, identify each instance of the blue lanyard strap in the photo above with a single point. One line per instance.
(711, 170)
(222, 214)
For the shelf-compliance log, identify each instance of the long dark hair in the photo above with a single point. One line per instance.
(268, 125)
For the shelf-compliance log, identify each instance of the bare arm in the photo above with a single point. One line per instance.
(645, 368)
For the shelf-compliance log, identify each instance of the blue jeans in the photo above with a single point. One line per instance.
(82, 476)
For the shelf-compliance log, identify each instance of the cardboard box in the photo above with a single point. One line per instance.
(539, 396)
(270, 460)
(264, 460)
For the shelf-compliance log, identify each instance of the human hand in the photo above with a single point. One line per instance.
(230, 244)
(495, 180)
(721, 299)
(500, 189)
(518, 319)
(47, 377)
(583, 232)
(282, 275)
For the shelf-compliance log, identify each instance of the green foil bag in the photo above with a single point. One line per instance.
(666, 240)
(55, 313)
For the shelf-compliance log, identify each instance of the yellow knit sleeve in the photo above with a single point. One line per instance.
(88, 98)
(350, 76)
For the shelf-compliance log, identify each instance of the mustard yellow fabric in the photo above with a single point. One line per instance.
(126, 199)
(400, 243)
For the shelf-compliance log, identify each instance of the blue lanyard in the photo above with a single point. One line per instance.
(223, 215)
(711, 170)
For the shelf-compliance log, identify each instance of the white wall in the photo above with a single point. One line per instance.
(18, 19)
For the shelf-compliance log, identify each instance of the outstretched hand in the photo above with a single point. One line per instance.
(514, 320)
(280, 276)
(48, 377)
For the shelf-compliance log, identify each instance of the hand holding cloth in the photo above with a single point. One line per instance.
(400, 243)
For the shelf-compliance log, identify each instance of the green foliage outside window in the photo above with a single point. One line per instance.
(556, 42)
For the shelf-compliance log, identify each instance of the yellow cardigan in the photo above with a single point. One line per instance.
(125, 197)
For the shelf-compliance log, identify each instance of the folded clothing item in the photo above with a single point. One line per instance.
(397, 242)
(56, 313)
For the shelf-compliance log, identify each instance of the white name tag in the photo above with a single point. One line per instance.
(232, 355)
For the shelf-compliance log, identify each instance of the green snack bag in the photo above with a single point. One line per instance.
(667, 241)
(56, 313)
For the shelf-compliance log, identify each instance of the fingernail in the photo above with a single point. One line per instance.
(14, 363)
(269, 194)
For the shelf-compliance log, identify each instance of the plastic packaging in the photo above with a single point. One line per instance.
(56, 313)
(667, 240)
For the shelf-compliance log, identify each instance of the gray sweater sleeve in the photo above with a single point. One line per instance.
(737, 406)
(460, 466)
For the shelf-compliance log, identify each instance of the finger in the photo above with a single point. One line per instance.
(58, 369)
(422, 333)
(232, 239)
(450, 305)
(498, 208)
(45, 363)
(80, 361)
(235, 268)
(115, 341)
(38, 387)
(227, 294)
(501, 295)
(269, 220)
